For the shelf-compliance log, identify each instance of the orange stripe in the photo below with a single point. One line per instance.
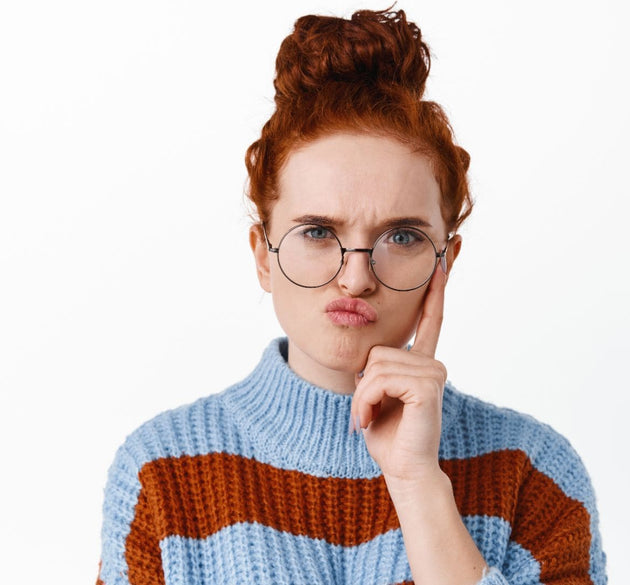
(98, 578)
(196, 496)
(556, 529)
(201, 495)
(142, 549)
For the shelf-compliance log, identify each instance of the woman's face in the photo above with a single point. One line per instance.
(358, 185)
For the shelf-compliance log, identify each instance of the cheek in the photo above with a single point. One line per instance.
(291, 303)
(415, 313)
(402, 316)
(408, 305)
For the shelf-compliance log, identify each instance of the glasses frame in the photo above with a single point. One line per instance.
(439, 256)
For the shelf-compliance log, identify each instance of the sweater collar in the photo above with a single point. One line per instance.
(305, 425)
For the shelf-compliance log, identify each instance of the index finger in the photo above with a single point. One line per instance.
(428, 331)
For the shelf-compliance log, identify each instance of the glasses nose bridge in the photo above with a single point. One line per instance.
(367, 251)
(357, 277)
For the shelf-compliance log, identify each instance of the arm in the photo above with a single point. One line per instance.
(551, 519)
(130, 548)
(438, 545)
(541, 526)
(398, 402)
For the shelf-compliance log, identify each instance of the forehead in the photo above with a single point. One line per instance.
(359, 180)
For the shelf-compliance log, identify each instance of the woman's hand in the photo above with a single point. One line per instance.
(398, 398)
(399, 404)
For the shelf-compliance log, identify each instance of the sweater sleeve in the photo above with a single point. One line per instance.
(130, 546)
(555, 536)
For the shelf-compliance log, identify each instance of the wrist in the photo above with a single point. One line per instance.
(438, 545)
(427, 490)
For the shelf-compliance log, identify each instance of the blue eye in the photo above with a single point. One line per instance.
(405, 237)
(316, 232)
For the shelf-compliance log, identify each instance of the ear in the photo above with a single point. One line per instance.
(258, 245)
(454, 246)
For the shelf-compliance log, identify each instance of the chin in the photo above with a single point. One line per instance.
(349, 361)
(348, 352)
(341, 353)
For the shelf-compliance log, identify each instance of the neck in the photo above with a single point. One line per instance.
(302, 424)
(339, 381)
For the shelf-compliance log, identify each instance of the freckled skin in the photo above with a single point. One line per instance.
(362, 181)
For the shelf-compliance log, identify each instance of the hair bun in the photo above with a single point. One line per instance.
(370, 48)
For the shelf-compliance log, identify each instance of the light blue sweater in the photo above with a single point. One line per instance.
(263, 484)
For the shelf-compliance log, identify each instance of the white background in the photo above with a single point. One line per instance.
(127, 285)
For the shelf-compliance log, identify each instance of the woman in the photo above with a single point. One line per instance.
(359, 190)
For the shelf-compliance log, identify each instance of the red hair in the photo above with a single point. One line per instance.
(366, 74)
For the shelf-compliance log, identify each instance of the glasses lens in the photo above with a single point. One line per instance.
(310, 255)
(404, 258)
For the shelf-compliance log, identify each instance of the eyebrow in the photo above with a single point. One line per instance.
(327, 220)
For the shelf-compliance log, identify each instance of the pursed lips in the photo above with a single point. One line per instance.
(351, 312)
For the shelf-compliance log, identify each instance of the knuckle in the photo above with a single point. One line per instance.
(380, 367)
(441, 368)
(380, 379)
(375, 368)
(378, 353)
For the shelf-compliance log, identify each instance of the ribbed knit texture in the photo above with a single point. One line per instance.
(263, 484)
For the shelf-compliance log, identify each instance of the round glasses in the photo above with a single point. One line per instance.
(402, 258)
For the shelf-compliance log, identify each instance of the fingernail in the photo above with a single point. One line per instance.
(351, 425)
(360, 374)
(357, 423)
(443, 264)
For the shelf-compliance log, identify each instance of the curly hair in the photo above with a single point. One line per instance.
(365, 74)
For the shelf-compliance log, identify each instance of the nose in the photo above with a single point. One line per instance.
(356, 277)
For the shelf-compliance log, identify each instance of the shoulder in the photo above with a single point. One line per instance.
(208, 425)
(529, 463)
(477, 428)
(192, 429)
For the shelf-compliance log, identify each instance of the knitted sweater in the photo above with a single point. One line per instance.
(263, 484)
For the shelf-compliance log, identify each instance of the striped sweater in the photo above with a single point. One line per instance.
(263, 484)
